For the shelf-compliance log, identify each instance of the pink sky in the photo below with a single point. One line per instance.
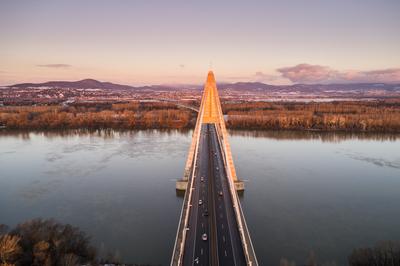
(153, 42)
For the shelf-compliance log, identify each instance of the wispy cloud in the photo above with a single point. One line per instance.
(383, 75)
(306, 73)
(262, 77)
(257, 76)
(55, 65)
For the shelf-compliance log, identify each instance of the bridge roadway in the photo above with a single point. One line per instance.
(223, 246)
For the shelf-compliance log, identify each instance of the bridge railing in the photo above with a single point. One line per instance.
(180, 240)
(181, 233)
(178, 103)
(243, 229)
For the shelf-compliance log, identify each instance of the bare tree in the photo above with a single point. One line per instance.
(385, 253)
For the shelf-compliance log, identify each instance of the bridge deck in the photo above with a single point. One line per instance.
(211, 205)
(215, 215)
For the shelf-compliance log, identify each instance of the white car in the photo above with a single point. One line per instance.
(204, 237)
(200, 202)
(202, 179)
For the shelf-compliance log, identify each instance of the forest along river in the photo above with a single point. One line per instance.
(322, 192)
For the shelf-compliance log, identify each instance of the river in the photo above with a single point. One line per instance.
(305, 191)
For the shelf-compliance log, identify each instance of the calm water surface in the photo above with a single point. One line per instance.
(326, 193)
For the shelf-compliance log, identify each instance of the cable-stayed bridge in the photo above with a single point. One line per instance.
(212, 228)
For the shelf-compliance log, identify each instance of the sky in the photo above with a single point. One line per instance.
(165, 42)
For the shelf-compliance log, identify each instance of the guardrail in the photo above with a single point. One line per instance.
(177, 255)
(251, 258)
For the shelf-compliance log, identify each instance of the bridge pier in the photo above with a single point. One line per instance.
(181, 185)
(239, 185)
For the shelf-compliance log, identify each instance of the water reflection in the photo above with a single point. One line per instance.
(101, 133)
(314, 135)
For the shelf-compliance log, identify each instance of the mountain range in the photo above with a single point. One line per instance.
(238, 86)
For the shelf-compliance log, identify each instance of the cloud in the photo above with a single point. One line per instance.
(55, 65)
(182, 66)
(383, 75)
(306, 73)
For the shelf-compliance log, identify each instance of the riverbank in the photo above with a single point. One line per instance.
(350, 116)
(344, 116)
(97, 116)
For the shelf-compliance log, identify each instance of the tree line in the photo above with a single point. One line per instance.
(97, 116)
(351, 116)
(364, 116)
(383, 253)
(46, 242)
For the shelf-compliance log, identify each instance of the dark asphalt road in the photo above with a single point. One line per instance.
(223, 245)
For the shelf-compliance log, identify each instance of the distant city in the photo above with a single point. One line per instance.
(63, 92)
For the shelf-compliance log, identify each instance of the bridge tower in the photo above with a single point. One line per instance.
(210, 112)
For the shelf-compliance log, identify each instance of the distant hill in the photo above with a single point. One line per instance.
(81, 84)
(239, 86)
(258, 86)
